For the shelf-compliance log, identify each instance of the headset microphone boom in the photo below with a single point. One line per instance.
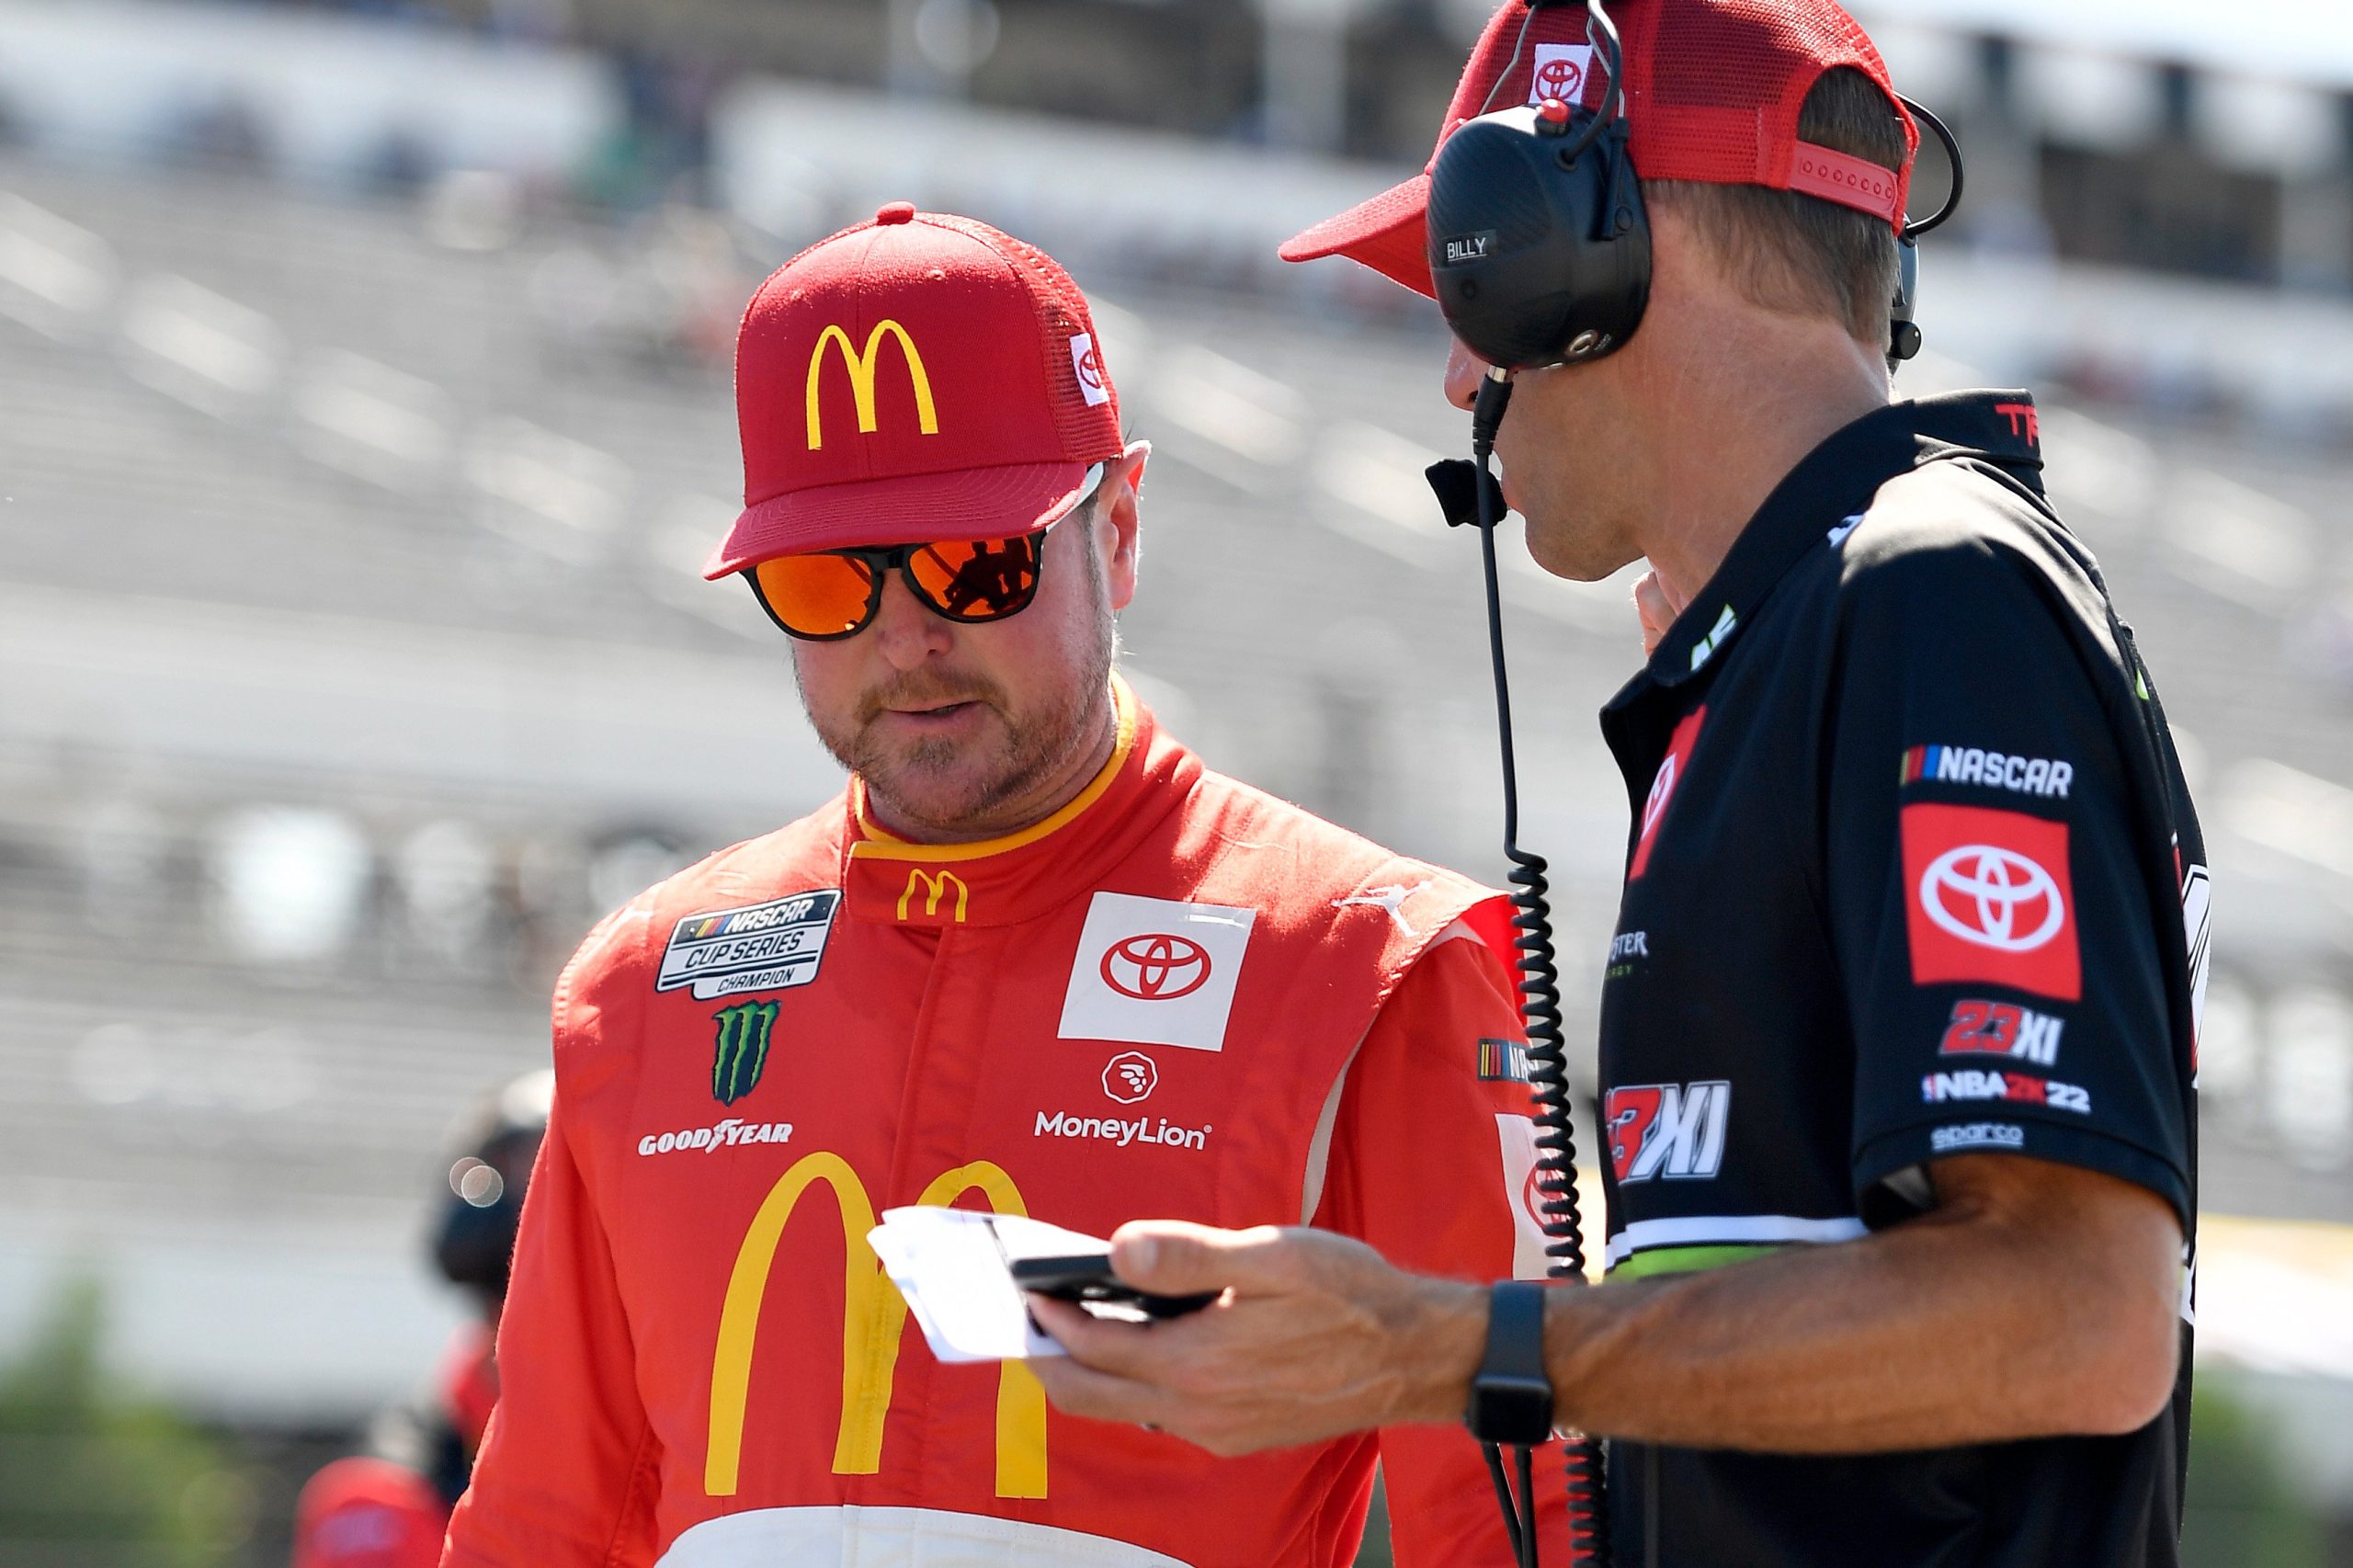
(1539, 256)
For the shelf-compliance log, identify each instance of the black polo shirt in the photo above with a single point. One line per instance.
(1912, 872)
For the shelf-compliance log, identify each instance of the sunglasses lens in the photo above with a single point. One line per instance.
(815, 596)
(977, 580)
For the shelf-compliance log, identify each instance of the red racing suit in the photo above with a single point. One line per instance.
(1176, 997)
(391, 1508)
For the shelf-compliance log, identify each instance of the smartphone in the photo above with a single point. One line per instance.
(1085, 1280)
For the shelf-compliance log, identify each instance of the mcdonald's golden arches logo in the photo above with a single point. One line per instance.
(936, 887)
(861, 366)
(873, 1316)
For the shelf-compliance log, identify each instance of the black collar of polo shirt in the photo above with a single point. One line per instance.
(1837, 480)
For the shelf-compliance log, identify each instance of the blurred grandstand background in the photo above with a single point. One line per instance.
(365, 414)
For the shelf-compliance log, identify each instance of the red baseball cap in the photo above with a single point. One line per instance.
(1712, 94)
(916, 377)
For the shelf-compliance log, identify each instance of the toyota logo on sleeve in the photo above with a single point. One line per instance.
(1987, 899)
(1155, 968)
(1993, 897)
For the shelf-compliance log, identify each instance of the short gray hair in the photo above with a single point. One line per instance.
(1801, 254)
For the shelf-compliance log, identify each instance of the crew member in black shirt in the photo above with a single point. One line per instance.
(1898, 1024)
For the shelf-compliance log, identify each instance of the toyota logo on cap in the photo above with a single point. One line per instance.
(1559, 79)
(1993, 897)
(1155, 968)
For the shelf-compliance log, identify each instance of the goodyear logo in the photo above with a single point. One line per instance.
(860, 363)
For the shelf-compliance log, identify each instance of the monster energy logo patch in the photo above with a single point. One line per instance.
(742, 1050)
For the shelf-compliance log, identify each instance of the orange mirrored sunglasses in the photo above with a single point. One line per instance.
(834, 594)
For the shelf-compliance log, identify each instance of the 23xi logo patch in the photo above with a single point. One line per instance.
(1987, 897)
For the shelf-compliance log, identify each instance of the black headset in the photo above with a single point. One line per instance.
(1539, 245)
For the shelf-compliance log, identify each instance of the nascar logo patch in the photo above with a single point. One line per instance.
(763, 947)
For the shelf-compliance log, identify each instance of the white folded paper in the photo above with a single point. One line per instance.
(954, 1267)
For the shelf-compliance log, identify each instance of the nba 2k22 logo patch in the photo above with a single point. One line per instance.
(1676, 1131)
(765, 946)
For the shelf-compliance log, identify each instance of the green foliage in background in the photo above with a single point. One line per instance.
(2242, 1512)
(93, 1477)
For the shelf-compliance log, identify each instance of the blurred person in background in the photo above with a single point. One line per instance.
(1036, 956)
(1897, 1037)
(389, 1508)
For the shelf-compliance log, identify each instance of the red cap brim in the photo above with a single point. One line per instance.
(981, 502)
(1386, 233)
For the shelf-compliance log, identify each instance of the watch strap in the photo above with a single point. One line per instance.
(1511, 1397)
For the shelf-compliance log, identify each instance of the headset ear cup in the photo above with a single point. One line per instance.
(1904, 338)
(1537, 258)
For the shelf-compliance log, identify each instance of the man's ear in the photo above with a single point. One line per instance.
(1120, 516)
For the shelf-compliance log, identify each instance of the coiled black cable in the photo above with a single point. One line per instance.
(1548, 1062)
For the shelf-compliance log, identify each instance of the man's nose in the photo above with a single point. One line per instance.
(907, 633)
(1464, 370)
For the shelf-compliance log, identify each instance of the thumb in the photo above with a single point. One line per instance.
(1652, 609)
(1175, 1258)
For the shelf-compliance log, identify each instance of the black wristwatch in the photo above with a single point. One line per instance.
(1511, 1399)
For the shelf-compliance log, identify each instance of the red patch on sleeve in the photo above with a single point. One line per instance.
(1987, 897)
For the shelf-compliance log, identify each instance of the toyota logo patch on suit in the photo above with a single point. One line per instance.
(1158, 967)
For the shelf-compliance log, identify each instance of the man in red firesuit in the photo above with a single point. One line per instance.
(1036, 959)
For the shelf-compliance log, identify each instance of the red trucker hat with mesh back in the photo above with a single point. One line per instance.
(1712, 94)
(915, 378)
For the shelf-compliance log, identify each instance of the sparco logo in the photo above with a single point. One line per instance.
(1157, 967)
(1130, 1077)
(1112, 1129)
(1997, 898)
(1469, 247)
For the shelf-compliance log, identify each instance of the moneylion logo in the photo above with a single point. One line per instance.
(935, 889)
(861, 366)
(1130, 1077)
(1157, 967)
(742, 1050)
